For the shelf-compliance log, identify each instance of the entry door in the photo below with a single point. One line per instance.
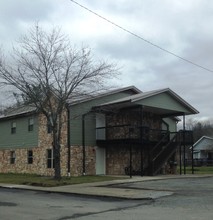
(100, 161)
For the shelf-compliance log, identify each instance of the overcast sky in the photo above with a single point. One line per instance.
(183, 27)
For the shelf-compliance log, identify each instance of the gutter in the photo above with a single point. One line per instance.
(68, 142)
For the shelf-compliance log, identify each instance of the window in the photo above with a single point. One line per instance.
(13, 127)
(30, 156)
(50, 159)
(49, 127)
(12, 157)
(30, 124)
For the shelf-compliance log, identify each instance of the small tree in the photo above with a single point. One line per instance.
(48, 71)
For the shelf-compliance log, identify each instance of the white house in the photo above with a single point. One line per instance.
(203, 149)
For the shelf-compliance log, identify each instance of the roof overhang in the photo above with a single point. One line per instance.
(144, 100)
(126, 105)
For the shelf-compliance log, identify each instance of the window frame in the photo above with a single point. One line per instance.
(49, 128)
(13, 127)
(30, 156)
(50, 159)
(12, 157)
(30, 124)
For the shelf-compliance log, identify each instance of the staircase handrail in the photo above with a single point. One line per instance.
(162, 140)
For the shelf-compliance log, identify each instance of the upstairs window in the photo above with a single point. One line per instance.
(13, 127)
(49, 128)
(12, 157)
(30, 124)
(50, 159)
(30, 157)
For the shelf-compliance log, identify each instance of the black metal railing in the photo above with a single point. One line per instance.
(186, 136)
(162, 152)
(127, 131)
(199, 162)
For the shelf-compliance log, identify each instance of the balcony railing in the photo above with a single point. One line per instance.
(122, 132)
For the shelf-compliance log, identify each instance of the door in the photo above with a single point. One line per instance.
(100, 124)
(100, 161)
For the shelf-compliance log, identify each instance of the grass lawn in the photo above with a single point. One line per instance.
(36, 180)
(199, 170)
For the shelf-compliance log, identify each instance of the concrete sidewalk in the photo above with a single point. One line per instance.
(103, 189)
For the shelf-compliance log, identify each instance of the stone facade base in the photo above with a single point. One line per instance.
(16, 161)
(118, 158)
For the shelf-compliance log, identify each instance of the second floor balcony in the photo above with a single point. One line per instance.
(140, 134)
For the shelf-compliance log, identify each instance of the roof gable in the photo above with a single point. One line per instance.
(161, 99)
(166, 100)
(204, 143)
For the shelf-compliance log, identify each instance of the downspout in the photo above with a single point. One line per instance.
(184, 144)
(83, 144)
(180, 153)
(68, 142)
(141, 138)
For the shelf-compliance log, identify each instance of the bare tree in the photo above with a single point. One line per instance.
(200, 128)
(45, 65)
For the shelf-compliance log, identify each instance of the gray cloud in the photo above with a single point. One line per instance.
(182, 27)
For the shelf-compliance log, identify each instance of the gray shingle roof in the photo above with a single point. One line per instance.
(17, 111)
(76, 99)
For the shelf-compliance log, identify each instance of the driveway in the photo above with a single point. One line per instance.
(192, 198)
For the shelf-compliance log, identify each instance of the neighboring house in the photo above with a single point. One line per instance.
(203, 151)
(103, 134)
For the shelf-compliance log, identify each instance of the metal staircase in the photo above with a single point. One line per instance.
(162, 151)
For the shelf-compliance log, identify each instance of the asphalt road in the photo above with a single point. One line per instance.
(192, 199)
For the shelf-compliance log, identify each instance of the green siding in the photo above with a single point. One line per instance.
(76, 112)
(164, 101)
(172, 124)
(22, 138)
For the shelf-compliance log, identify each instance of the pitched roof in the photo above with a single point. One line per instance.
(137, 95)
(204, 143)
(144, 95)
(76, 99)
(18, 111)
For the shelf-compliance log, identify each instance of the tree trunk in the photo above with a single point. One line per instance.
(57, 156)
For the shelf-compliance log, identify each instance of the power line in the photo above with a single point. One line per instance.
(141, 38)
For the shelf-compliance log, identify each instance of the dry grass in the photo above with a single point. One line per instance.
(36, 180)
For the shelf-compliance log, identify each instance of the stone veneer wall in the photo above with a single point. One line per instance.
(39, 165)
(77, 160)
(117, 158)
(132, 117)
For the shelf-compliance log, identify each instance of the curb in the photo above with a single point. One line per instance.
(78, 194)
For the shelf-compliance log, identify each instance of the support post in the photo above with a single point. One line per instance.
(130, 161)
(130, 152)
(141, 138)
(184, 144)
(192, 159)
(180, 159)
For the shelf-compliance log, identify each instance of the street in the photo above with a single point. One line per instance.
(192, 199)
